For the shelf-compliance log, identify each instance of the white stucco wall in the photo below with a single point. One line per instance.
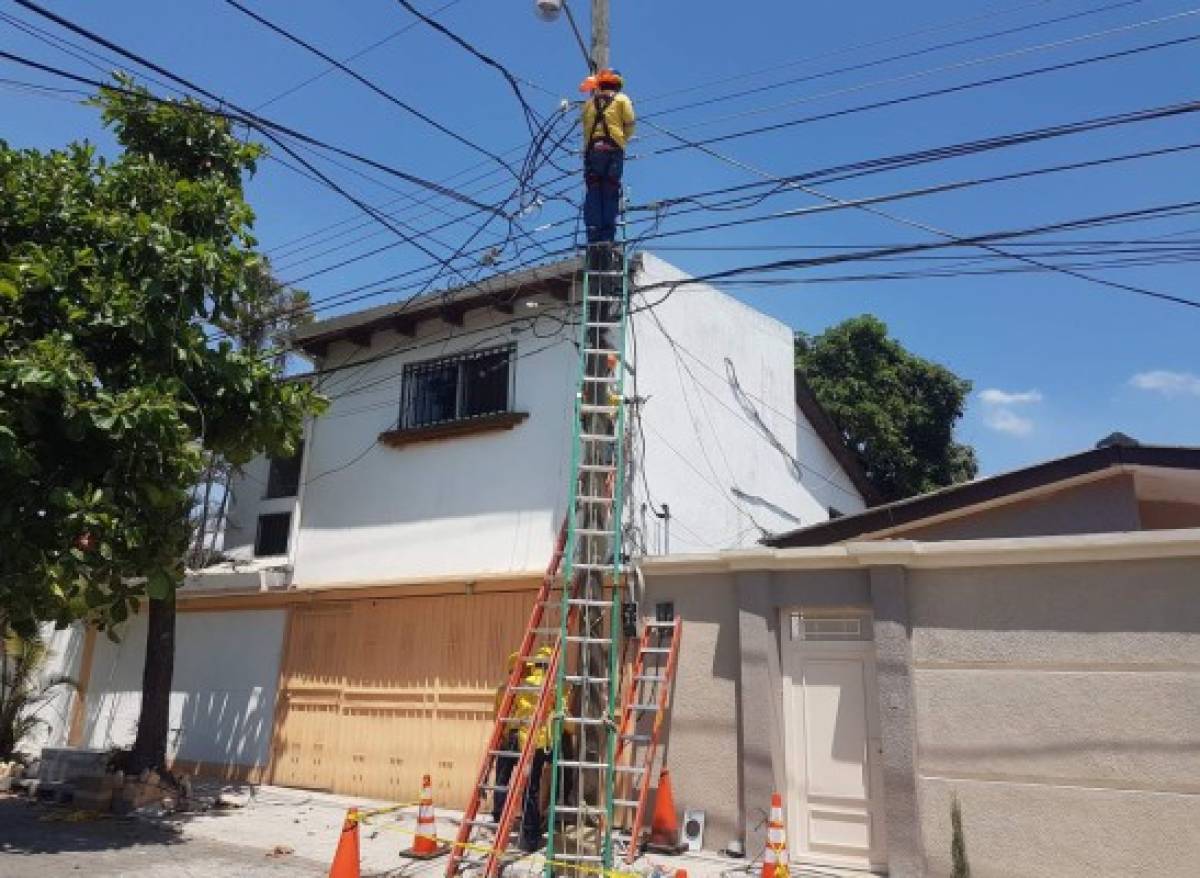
(726, 447)
(223, 697)
(490, 503)
(247, 502)
(486, 503)
(65, 653)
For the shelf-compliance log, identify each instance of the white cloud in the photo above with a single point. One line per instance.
(1007, 421)
(998, 410)
(992, 396)
(1167, 383)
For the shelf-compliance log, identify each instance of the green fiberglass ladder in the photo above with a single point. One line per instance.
(588, 678)
(566, 674)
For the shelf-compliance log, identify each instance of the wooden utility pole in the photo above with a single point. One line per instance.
(600, 34)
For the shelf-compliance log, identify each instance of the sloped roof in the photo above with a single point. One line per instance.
(967, 494)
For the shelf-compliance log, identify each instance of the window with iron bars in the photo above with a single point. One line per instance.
(457, 388)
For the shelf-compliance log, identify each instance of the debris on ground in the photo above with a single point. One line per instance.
(280, 850)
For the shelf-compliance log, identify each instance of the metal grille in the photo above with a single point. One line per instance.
(805, 626)
(457, 388)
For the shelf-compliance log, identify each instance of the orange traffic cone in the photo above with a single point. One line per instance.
(664, 828)
(425, 846)
(345, 858)
(775, 858)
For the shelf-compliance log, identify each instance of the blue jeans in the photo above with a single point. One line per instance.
(602, 170)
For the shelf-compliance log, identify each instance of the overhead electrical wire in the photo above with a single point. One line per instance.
(354, 57)
(920, 74)
(373, 86)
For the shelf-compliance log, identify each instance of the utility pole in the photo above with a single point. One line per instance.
(600, 34)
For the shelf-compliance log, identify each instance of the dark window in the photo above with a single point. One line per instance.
(457, 388)
(273, 532)
(283, 479)
(664, 612)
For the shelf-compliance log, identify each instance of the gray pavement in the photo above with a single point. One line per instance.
(41, 840)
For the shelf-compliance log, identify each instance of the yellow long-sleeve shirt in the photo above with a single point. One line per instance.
(617, 122)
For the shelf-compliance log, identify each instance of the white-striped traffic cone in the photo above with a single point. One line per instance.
(425, 846)
(775, 858)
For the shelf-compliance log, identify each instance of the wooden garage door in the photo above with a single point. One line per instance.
(376, 693)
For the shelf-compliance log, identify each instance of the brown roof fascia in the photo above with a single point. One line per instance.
(812, 409)
(955, 497)
(498, 292)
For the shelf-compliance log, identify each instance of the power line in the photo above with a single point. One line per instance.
(382, 92)
(241, 115)
(905, 77)
(363, 51)
(939, 92)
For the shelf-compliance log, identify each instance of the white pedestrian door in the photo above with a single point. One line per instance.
(834, 799)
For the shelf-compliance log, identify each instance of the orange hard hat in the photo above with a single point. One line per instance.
(608, 78)
(589, 84)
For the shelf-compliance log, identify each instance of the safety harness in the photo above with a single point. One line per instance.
(601, 102)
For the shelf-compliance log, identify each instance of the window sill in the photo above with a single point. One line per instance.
(453, 429)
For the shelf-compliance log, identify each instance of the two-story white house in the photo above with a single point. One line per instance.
(374, 586)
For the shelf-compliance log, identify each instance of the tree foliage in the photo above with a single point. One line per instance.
(896, 410)
(114, 273)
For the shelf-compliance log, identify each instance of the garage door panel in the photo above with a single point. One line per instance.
(379, 692)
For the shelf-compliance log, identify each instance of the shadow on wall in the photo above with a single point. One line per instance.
(222, 727)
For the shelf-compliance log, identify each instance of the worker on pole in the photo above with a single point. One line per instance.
(524, 706)
(608, 123)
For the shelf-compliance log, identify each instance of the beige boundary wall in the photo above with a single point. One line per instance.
(1051, 683)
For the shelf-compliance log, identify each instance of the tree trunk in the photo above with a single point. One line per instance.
(150, 746)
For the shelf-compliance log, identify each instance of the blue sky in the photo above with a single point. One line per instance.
(1057, 362)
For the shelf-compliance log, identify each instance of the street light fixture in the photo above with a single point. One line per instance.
(548, 10)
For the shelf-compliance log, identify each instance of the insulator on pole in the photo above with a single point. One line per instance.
(548, 10)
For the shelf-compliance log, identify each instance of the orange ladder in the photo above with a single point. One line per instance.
(643, 710)
(481, 843)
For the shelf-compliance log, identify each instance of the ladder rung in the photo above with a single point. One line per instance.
(601, 379)
(572, 809)
(637, 739)
(604, 272)
(597, 467)
(516, 753)
(491, 787)
(595, 500)
(605, 299)
(643, 707)
(626, 803)
(597, 437)
(578, 858)
(601, 352)
(579, 678)
(660, 624)
(518, 720)
(576, 763)
(652, 648)
(525, 688)
(584, 720)
(587, 602)
(651, 678)
(592, 532)
(590, 409)
(631, 769)
(593, 566)
(599, 324)
(582, 638)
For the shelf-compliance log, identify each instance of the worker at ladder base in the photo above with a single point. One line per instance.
(608, 122)
(524, 706)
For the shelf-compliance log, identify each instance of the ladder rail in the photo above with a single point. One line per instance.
(504, 709)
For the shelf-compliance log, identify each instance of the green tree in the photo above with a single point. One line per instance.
(114, 274)
(896, 410)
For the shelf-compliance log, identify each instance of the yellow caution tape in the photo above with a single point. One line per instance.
(489, 849)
